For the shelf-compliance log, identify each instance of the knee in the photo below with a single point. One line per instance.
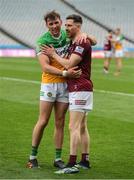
(42, 122)
(74, 132)
(59, 123)
(83, 128)
(73, 128)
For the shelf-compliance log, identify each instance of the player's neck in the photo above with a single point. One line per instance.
(76, 36)
(56, 36)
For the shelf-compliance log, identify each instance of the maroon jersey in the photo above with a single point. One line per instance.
(107, 43)
(83, 83)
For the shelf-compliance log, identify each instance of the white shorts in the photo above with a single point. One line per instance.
(54, 92)
(81, 101)
(119, 53)
(108, 54)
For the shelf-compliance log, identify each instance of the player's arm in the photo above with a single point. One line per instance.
(46, 67)
(44, 60)
(67, 63)
(84, 36)
(71, 62)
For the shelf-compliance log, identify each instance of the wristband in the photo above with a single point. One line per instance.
(64, 73)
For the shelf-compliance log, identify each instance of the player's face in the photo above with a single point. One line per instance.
(117, 32)
(110, 33)
(71, 28)
(54, 26)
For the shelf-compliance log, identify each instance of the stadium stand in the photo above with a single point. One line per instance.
(109, 13)
(23, 19)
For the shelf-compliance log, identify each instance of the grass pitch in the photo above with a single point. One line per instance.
(111, 123)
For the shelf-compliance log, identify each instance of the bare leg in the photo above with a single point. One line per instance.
(45, 111)
(74, 126)
(106, 65)
(85, 138)
(118, 66)
(60, 112)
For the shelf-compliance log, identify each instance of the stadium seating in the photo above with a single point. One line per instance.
(24, 19)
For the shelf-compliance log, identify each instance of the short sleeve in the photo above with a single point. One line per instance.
(81, 48)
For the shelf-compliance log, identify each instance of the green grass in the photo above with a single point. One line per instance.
(111, 123)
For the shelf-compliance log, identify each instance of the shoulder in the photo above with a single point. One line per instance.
(63, 32)
(42, 39)
(82, 48)
(122, 37)
(85, 46)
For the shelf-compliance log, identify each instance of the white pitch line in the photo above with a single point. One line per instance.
(37, 82)
(114, 93)
(19, 80)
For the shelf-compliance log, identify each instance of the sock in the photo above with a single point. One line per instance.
(72, 159)
(34, 153)
(58, 154)
(85, 157)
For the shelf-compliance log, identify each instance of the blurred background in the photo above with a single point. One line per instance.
(21, 22)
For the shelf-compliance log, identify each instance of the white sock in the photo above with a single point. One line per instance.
(32, 157)
(58, 159)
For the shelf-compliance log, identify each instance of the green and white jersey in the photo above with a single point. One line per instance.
(118, 42)
(60, 44)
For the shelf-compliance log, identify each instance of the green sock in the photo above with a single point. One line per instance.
(34, 151)
(58, 154)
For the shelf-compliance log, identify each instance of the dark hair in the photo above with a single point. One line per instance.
(110, 30)
(75, 18)
(118, 29)
(52, 15)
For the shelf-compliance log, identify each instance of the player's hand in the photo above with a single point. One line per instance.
(81, 38)
(92, 40)
(48, 50)
(74, 72)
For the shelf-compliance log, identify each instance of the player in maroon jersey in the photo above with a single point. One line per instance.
(80, 93)
(108, 51)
